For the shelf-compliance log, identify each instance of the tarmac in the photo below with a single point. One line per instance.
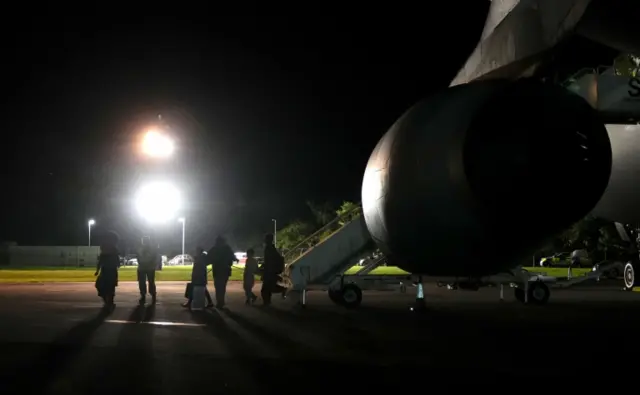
(55, 341)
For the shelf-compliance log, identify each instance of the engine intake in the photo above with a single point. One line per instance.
(471, 180)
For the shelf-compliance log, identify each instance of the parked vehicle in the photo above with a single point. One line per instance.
(178, 260)
(563, 259)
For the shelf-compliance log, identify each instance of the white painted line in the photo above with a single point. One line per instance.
(158, 323)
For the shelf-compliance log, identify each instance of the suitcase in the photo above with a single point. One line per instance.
(198, 301)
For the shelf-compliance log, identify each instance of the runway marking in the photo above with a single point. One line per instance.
(158, 323)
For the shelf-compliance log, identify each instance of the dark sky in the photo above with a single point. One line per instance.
(268, 111)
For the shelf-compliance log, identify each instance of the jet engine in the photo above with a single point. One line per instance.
(471, 180)
(620, 200)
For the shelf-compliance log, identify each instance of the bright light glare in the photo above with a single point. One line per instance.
(158, 202)
(91, 222)
(157, 145)
(181, 219)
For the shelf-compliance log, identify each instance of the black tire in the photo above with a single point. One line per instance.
(519, 294)
(630, 279)
(351, 296)
(335, 296)
(539, 292)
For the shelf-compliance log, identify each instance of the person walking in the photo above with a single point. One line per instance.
(272, 267)
(222, 258)
(147, 262)
(249, 276)
(199, 277)
(107, 269)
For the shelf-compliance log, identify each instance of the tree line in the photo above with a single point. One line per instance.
(299, 235)
(598, 236)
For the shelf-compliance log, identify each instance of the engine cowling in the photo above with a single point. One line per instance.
(620, 200)
(471, 180)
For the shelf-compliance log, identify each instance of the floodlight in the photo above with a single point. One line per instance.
(157, 145)
(158, 202)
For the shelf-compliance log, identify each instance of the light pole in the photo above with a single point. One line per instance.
(184, 222)
(90, 224)
(275, 238)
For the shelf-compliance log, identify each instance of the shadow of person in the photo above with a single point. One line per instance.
(259, 370)
(149, 313)
(308, 316)
(289, 348)
(57, 356)
(131, 360)
(299, 359)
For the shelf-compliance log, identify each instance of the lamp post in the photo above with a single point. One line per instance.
(90, 224)
(184, 222)
(275, 239)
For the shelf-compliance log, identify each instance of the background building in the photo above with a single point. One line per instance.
(79, 256)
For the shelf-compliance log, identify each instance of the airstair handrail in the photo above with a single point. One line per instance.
(321, 230)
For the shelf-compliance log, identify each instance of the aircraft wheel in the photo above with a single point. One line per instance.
(629, 276)
(539, 292)
(351, 295)
(335, 296)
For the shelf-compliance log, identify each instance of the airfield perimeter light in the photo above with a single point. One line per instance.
(90, 224)
(158, 202)
(156, 144)
(184, 224)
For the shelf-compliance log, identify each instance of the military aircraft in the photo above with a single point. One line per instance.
(469, 167)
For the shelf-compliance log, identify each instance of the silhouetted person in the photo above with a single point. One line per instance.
(147, 262)
(576, 260)
(107, 269)
(222, 258)
(249, 276)
(199, 276)
(271, 268)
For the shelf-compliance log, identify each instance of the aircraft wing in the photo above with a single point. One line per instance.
(516, 36)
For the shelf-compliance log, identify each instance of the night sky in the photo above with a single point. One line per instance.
(267, 111)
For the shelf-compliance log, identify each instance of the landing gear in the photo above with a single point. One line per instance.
(537, 292)
(630, 280)
(349, 296)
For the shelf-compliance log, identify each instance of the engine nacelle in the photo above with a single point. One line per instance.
(471, 180)
(621, 199)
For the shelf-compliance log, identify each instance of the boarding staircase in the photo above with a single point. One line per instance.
(610, 93)
(328, 252)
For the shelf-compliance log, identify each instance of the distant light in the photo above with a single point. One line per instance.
(157, 145)
(92, 222)
(181, 219)
(158, 202)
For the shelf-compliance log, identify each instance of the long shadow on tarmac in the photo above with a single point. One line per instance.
(257, 369)
(349, 329)
(131, 361)
(58, 355)
(289, 348)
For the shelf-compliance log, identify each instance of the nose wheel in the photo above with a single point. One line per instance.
(349, 296)
(537, 293)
